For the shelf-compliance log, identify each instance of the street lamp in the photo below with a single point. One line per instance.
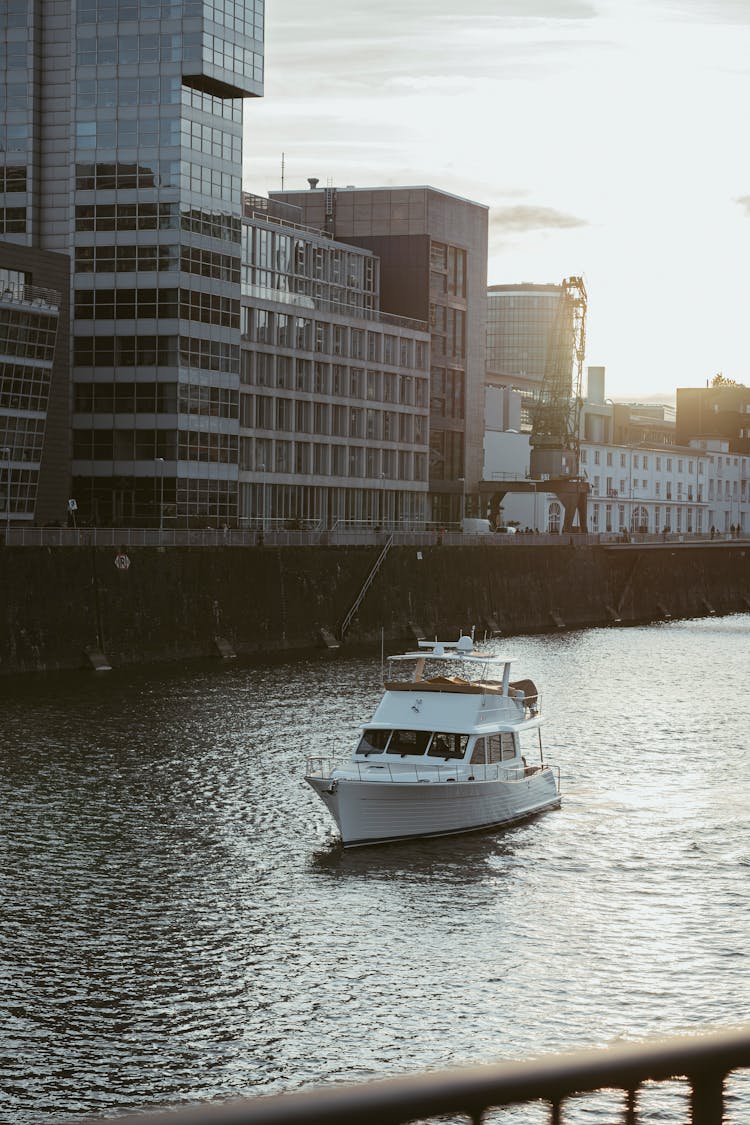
(6, 454)
(263, 505)
(160, 463)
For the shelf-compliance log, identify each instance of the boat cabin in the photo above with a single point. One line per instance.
(510, 747)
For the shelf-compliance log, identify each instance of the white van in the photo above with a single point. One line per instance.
(476, 527)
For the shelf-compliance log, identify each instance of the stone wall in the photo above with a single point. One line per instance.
(172, 603)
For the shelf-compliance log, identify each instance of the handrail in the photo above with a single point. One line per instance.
(368, 582)
(704, 1060)
(422, 769)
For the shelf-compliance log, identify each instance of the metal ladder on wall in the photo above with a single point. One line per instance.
(367, 583)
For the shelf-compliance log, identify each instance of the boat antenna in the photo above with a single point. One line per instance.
(382, 655)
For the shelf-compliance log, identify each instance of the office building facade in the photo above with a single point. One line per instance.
(432, 248)
(34, 391)
(334, 403)
(123, 130)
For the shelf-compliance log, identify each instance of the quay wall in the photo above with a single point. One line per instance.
(172, 603)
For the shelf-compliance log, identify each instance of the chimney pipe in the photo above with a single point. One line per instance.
(313, 182)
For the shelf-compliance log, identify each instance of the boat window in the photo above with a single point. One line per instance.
(501, 747)
(409, 742)
(477, 754)
(373, 741)
(448, 745)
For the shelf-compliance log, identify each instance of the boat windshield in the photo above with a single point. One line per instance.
(413, 742)
(448, 745)
(409, 742)
(373, 741)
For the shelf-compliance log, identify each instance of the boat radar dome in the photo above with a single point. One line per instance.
(465, 644)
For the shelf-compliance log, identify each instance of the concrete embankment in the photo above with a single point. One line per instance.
(174, 603)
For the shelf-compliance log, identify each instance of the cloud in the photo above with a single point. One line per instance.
(528, 217)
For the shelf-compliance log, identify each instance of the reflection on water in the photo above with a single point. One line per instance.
(180, 924)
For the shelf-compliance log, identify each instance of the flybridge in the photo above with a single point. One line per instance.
(461, 651)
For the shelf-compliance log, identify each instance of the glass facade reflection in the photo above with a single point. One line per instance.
(139, 181)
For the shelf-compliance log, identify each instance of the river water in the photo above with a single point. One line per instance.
(178, 923)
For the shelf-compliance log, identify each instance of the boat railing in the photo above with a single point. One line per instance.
(422, 771)
(532, 709)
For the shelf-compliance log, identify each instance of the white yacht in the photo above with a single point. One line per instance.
(454, 751)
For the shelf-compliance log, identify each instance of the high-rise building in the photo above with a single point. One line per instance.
(519, 321)
(432, 248)
(122, 146)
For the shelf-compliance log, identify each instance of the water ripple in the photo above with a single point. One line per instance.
(179, 923)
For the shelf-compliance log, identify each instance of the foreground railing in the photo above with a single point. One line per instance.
(704, 1061)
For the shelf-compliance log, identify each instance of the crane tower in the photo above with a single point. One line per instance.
(555, 436)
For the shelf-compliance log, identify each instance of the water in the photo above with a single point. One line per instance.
(178, 924)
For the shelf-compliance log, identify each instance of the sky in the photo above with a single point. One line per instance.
(610, 140)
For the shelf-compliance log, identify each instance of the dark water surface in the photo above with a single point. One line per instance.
(178, 923)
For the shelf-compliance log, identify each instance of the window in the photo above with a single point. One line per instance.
(448, 745)
(405, 742)
(373, 741)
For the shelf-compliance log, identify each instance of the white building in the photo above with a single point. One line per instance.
(643, 486)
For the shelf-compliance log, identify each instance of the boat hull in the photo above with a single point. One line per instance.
(371, 812)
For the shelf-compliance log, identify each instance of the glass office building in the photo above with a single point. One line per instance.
(519, 319)
(122, 122)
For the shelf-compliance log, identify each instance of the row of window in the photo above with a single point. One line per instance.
(156, 351)
(201, 180)
(128, 132)
(91, 11)
(116, 259)
(446, 454)
(33, 340)
(211, 141)
(127, 216)
(23, 486)
(447, 398)
(447, 270)
(156, 398)
(323, 459)
(448, 328)
(131, 498)
(641, 461)
(113, 50)
(146, 89)
(243, 16)
(24, 388)
(213, 224)
(12, 220)
(286, 415)
(264, 369)
(217, 51)
(148, 445)
(121, 258)
(152, 304)
(230, 109)
(632, 487)
(305, 334)
(157, 216)
(12, 177)
(23, 436)
(120, 175)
